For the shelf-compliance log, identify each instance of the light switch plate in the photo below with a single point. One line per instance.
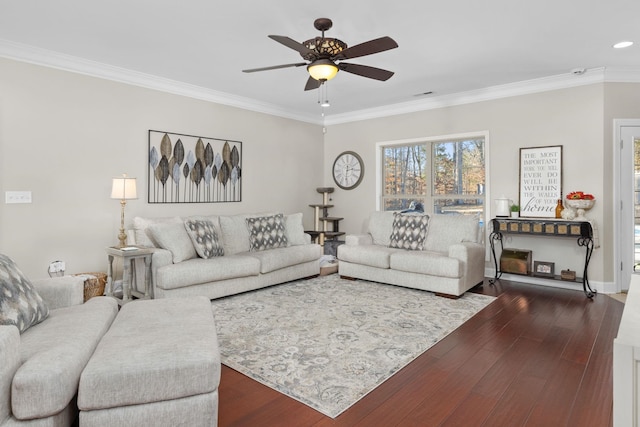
(17, 197)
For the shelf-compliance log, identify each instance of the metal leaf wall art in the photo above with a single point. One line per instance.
(193, 169)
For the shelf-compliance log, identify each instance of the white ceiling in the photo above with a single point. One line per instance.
(447, 47)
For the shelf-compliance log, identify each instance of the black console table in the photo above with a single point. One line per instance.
(581, 230)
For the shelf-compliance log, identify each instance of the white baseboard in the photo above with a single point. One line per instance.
(600, 287)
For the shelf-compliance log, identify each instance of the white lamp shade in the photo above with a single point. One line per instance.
(124, 188)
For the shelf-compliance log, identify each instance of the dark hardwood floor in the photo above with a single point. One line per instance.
(537, 356)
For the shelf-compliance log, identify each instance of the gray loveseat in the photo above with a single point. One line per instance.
(179, 270)
(449, 261)
(40, 368)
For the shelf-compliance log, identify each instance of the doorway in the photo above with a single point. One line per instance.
(627, 229)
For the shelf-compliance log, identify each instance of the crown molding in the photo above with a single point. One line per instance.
(562, 81)
(47, 58)
(51, 59)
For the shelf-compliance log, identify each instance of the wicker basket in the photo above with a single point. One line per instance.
(94, 284)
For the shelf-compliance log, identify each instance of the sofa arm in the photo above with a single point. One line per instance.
(358, 239)
(472, 256)
(466, 251)
(10, 356)
(62, 291)
(159, 258)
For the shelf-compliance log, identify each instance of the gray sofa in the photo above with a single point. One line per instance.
(179, 270)
(449, 261)
(40, 368)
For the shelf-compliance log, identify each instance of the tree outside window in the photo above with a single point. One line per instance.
(447, 176)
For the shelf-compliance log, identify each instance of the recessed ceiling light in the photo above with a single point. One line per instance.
(622, 45)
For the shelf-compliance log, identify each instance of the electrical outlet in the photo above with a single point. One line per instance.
(17, 197)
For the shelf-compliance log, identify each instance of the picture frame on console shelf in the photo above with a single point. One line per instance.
(193, 169)
(543, 269)
(540, 181)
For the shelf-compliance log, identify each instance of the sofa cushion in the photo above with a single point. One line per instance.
(204, 238)
(446, 230)
(266, 232)
(371, 255)
(235, 234)
(198, 270)
(141, 228)
(54, 353)
(156, 351)
(20, 303)
(174, 238)
(423, 262)
(380, 227)
(275, 259)
(295, 229)
(409, 231)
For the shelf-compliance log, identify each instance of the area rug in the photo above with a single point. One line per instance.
(327, 342)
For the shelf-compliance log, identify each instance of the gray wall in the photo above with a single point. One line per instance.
(571, 117)
(63, 136)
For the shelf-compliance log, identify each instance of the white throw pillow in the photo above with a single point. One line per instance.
(381, 227)
(174, 238)
(141, 226)
(295, 229)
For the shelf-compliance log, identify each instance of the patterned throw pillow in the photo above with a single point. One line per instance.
(20, 304)
(267, 232)
(409, 231)
(204, 237)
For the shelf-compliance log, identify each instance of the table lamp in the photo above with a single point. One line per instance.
(123, 188)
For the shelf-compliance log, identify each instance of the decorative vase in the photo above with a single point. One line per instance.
(580, 206)
(515, 214)
(502, 206)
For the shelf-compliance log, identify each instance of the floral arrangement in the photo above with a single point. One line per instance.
(579, 195)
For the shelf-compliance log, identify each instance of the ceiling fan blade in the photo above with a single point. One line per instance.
(367, 48)
(274, 67)
(366, 71)
(312, 84)
(292, 44)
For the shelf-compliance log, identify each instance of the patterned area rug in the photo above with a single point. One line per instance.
(327, 342)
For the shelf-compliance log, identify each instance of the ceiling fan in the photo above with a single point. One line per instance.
(325, 55)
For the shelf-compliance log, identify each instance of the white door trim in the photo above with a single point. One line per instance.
(623, 201)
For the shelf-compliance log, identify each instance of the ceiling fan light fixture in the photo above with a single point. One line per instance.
(322, 70)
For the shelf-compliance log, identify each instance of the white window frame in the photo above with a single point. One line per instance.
(380, 146)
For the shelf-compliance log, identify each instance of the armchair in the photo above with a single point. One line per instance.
(41, 366)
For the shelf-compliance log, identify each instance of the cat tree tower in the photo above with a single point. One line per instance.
(326, 230)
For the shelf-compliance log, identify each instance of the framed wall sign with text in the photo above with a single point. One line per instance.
(540, 181)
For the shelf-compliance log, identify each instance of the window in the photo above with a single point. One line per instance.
(445, 175)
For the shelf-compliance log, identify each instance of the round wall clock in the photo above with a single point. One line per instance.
(348, 170)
